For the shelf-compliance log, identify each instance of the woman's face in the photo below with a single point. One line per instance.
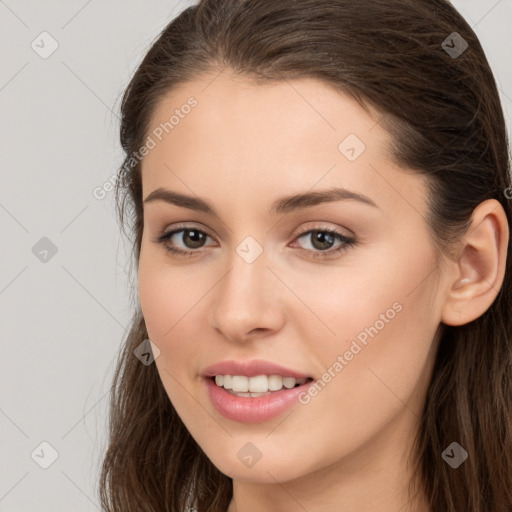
(355, 311)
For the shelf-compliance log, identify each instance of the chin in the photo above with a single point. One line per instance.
(267, 470)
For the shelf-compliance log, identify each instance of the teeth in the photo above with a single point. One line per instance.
(289, 382)
(256, 386)
(226, 381)
(275, 383)
(240, 383)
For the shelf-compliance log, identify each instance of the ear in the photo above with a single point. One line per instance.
(478, 270)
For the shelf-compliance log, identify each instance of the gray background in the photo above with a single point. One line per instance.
(63, 320)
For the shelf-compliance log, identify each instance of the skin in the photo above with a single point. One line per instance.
(242, 147)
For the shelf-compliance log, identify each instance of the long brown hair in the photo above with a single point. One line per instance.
(444, 114)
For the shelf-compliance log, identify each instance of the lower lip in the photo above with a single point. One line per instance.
(253, 410)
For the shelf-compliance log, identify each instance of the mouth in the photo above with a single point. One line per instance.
(257, 386)
(256, 398)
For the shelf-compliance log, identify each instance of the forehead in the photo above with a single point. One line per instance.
(304, 106)
(260, 137)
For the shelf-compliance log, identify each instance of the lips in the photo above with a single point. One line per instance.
(251, 368)
(243, 409)
(253, 407)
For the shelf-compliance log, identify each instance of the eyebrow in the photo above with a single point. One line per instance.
(281, 206)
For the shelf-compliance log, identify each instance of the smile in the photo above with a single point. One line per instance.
(260, 385)
(239, 403)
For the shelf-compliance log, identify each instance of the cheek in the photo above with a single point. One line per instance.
(166, 304)
(171, 303)
(165, 294)
(157, 299)
(364, 300)
(381, 322)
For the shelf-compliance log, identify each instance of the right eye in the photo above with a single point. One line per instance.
(192, 237)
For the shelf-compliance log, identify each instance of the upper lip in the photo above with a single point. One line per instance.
(250, 369)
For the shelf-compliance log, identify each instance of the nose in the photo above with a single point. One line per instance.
(247, 302)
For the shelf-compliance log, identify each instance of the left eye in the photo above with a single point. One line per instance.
(322, 237)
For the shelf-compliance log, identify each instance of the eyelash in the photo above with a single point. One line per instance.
(348, 242)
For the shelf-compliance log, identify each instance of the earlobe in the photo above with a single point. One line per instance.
(479, 271)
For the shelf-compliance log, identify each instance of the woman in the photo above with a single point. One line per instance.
(318, 193)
